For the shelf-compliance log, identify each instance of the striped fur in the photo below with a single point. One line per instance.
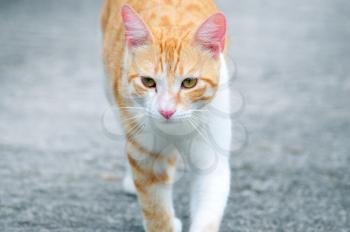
(169, 41)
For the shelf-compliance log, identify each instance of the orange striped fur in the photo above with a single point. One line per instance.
(170, 49)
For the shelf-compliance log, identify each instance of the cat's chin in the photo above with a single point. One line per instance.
(167, 123)
(175, 127)
(171, 121)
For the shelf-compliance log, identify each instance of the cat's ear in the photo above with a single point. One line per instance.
(136, 31)
(212, 33)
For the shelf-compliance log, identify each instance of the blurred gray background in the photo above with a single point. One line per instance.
(59, 172)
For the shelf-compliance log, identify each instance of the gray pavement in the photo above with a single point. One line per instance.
(60, 172)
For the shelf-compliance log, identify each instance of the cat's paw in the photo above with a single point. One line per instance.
(177, 225)
(128, 185)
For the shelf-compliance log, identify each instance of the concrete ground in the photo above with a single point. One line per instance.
(60, 172)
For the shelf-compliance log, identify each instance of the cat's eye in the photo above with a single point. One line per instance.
(189, 83)
(148, 82)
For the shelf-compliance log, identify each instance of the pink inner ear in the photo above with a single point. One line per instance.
(211, 34)
(136, 32)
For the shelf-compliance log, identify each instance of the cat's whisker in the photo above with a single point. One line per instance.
(199, 131)
(196, 128)
(131, 108)
(139, 129)
(130, 131)
(133, 118)
(138, 115)
(197, 122)
(202, 120)
(136, 130)
(199, 110)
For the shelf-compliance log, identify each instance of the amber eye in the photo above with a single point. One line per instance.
(189, 83)
(148, 82)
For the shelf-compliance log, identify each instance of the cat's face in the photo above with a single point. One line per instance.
(174, 88)
(172, 78)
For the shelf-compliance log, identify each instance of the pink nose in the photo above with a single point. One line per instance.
(167, 113)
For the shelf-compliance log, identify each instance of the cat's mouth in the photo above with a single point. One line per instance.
(170, 121)
(173, 127)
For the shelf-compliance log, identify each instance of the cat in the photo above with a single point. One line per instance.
(165, 62)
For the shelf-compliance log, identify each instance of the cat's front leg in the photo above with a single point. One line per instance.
(128, 181)
(209, 190)
(153, 176)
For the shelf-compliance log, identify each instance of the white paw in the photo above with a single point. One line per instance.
(128, 185)
(177, 225)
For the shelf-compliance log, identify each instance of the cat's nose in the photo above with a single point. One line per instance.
(167, 113)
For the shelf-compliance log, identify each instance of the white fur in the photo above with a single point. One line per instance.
(209, 166)
(210, 189)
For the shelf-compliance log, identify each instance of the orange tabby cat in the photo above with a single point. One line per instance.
(164, 61)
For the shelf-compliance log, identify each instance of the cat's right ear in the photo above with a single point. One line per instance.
(136, 32)
(212, 33)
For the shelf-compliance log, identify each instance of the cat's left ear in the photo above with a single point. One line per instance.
(212, 33)
(136, 31)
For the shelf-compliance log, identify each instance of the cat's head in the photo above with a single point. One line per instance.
(173, 74)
